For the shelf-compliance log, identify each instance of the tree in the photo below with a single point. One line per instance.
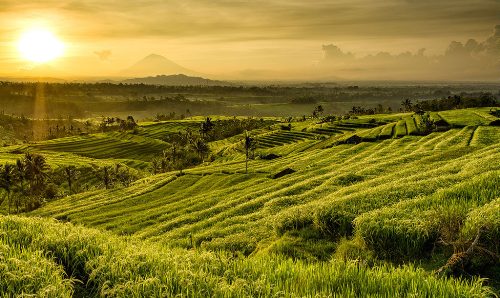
(7, 180)
(320, 110)
(317, 111)
(130, 123)
(206, 127)
(106, 177)
(35, 166)
(20, 172)
(71, 176)
(156, 165)
(201, 148)
(123, 175)
(249, 148)
(88, 126)
(426, 125)
(407, 105)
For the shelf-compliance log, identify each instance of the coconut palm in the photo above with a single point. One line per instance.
(6, 181)
(249, 147)
(71, 176)
(407, 104)
(201, 148)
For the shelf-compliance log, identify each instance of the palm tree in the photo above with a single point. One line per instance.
(6, 180)
(407, 104)
(106, 177)
(20, 172)
(35, 165)
(206, 127)
(71, 175)
(249, 147)
(201, 148)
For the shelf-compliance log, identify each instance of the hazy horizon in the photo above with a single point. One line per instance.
(263, 40)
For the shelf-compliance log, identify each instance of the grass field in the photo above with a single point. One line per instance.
(374, 217)
(84, 262)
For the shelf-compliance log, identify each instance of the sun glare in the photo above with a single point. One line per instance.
(40, 45)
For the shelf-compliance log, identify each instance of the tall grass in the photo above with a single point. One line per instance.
(410, 229)
(486, 221)
(25, 272)
(112, 266)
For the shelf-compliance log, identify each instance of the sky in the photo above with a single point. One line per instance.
(272, 39)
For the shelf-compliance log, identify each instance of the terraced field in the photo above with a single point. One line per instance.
(215, 203)
(280, 138)
(39, 255)
(162, 129)
(395, 196)
(109, 145)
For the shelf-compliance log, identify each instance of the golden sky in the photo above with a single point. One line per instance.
(272, 38)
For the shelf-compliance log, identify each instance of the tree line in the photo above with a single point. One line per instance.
(451, 103)
(30, 181)
(191, 147)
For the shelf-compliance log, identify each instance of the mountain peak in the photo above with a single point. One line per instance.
(154, 56)
(154, 65)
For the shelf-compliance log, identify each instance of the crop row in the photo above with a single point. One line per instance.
(111, 266)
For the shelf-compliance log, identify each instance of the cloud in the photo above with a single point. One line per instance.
(104, 54)
(214, 35)
(332, 52)
(278, 19)
(470, 60)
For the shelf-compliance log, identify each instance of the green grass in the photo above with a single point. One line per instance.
(105, 146)
(391, 197)
(408, 229)
(486, 221)
(400, 129)
(112, 266)
(215, 202)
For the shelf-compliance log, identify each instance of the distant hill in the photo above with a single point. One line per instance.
(176, 80)
(154, 65)
(33, 79)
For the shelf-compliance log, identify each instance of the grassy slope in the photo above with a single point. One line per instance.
(359, 191)
(102, 265)
(221, 207)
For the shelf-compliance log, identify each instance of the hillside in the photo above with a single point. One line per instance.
(38, 256)
(176, 80)
(360, 196)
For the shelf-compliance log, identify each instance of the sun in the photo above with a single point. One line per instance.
(40, 45)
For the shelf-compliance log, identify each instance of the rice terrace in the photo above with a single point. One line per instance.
(370, 169)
